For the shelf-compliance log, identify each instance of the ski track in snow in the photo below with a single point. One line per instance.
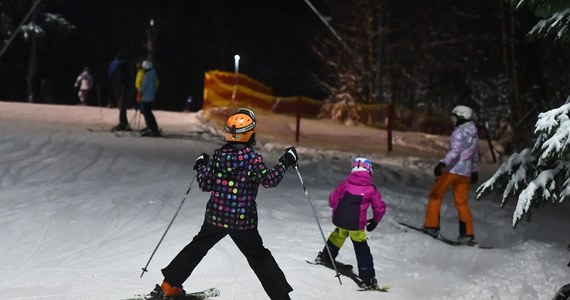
(81, 213)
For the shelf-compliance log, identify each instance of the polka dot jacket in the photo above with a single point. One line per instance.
(233, 176)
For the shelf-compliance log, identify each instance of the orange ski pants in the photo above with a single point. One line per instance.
(460, 185)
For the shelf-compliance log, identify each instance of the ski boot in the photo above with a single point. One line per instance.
(433, 232)
(166, 291)
(369, 284)
(323, 259)
(468, 240)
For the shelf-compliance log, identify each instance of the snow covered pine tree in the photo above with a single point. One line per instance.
(540, 174)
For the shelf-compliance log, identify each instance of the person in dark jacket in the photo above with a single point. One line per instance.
(232, 176)
(119, 78)
(350, 201)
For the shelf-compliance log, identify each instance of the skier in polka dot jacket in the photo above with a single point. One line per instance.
(233, 176)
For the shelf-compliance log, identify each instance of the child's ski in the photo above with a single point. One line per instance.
(346, 270)
(330, 266)
(384, 288)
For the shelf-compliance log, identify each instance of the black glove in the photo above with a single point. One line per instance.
(371, 224)
(290, 157)
(201, 161)
(438, 169)
(474, 177)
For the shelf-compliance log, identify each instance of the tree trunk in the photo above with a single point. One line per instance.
(508, 23)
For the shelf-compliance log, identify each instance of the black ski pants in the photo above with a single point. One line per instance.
(149, 119)
(249, 243)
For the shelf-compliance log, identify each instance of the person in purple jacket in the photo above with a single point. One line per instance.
(458, 169)
(350, 201)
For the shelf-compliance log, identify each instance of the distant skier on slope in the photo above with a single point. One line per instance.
(350, 201)
(457, 169)
(233, 176)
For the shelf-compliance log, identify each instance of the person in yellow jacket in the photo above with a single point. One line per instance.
(139, 79)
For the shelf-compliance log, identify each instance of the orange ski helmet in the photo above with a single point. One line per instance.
(240, 126)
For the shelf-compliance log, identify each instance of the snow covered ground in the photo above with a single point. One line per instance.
(81, 212)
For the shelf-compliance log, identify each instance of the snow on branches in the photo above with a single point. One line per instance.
(540, 174)
(555, 18)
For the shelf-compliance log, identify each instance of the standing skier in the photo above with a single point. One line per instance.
(232, 176)
(350, 201)
(457, 169)
(147, 90)
(84, 82)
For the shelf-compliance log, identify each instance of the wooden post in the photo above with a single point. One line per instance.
(298, 127)
(491, 148)
(390, 125)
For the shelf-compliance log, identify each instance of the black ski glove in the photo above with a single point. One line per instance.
(202, 160)
(371, 224)
(474, 177)
(438, 169)
(290, 157)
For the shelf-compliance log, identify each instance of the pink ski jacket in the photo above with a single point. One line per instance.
(351, 199)
(463, 155)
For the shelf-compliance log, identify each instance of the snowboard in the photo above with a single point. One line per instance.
(346, 270)
(199, 295)
(443, 239)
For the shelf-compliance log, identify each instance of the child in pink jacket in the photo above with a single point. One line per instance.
(350, 201)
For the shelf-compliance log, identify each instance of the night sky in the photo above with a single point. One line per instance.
(271, 37)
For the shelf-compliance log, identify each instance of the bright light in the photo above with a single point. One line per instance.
(236, 59)
(151, 22)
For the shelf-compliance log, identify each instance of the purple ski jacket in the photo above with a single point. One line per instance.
(351, 199)
(463, 155)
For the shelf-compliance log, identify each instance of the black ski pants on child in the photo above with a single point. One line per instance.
(249, 243)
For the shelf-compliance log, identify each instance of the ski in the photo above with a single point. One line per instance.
(441, 238)
(385, 288)
(192, 135)
(346, 270)
(98, 130)
(199, 295)
(330, 266)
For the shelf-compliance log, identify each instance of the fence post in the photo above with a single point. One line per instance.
(390, 125)
(298, 128)
(489, 142)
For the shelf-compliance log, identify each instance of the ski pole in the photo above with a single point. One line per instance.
(318, 223)
(170, 224)
(133, 119)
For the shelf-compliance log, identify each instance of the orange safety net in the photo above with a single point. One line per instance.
(227, 89)
(223, 89)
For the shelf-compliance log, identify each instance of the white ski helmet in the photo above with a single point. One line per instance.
(147, 65)
(462, 111)
(361, 164)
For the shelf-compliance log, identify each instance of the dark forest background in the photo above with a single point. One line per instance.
(423, 55)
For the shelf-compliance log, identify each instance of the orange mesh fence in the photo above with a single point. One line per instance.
(224, 91)
(220, 87)
(227, 89)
